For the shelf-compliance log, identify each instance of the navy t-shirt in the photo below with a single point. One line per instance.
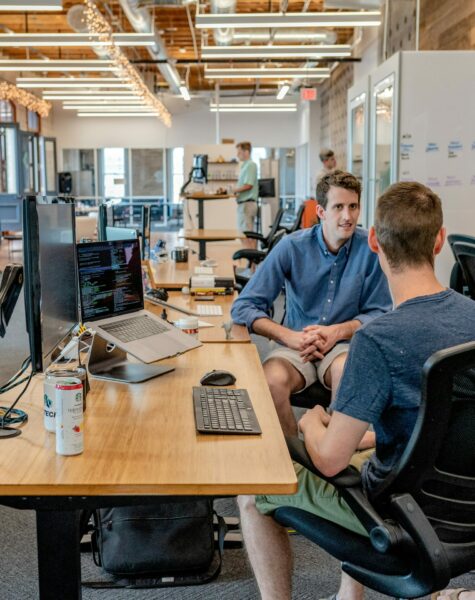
(381, 383)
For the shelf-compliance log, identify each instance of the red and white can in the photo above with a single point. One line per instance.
(69, 417)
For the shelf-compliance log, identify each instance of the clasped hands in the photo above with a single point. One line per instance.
(314, 341)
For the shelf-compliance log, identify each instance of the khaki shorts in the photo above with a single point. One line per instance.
(310, 371)
(318, 497)
(246, 213)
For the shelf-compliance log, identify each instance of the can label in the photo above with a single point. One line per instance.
(49, 403)
(69, 417)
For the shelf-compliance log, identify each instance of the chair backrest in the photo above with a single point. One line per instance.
(465, 256)
(275, 240)
(298, 219)
(438, 465)
(275, 226)
(453, 238)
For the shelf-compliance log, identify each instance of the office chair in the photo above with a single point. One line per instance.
(457, 281)
(266, 240)
(253, 257)
(297, 222)
(421, 519)
(465, 255)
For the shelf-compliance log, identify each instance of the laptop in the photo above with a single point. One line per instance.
(112, 303)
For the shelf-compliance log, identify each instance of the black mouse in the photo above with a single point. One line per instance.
(218, 378)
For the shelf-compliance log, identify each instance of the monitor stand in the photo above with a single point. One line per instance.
(107, 361)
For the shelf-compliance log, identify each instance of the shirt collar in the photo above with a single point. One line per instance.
(324, 247)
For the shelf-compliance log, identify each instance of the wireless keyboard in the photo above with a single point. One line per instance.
(209, 310)
(224, 410)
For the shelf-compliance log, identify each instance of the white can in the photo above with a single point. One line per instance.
(69, 417)
(49, 403)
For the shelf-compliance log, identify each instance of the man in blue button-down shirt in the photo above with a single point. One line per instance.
(333, 284)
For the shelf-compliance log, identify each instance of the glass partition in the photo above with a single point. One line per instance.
(147, 172)
(81, 164)
(8, 160)
(384, 98)
(29, 162)
(114, 172)
(358, 127)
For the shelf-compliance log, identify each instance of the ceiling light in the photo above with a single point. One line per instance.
(280, 19)
(108, 102)
(29, 40)
(56, 65)
(281, 35)
(109, 108)
(283, 91)
(14, 5)
(75, 97)
(91, 93)
(253, 109)
(252, 105)
(269, 73)
(124, 114)
(303, 51)
(66, 84)
(68, 79)
(185, 93)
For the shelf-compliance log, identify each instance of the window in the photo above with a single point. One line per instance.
(34, 121)
(8, 158)
(114, 178)
(147, 172)
(178, 156)
(7, 111)
(81, 165)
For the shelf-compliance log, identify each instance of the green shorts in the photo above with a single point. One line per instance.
(319, 497)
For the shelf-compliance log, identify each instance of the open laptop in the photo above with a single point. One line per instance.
(111, 290)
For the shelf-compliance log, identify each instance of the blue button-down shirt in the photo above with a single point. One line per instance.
(321, 287)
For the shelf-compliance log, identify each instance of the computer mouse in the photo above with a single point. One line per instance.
(218, 378)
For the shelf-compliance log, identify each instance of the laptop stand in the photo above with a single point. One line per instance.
(108, 361)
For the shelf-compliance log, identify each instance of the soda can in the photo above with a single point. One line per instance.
(52, 377)
(69, 417)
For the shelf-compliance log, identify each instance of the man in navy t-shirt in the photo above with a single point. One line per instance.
(380, 385)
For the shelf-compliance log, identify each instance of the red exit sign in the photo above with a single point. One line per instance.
(308, 93)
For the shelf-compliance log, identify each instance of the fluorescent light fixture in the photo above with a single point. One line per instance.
(252, 105)
(122, 114)
(280, 19)
(253, 109)
(108, 102)
(185, 93)
(270, 73)
(69, 79)
(43, 40)
(287, 36)
(73, 84)
(15, 5)
(283, 91)
(298, 51)
(108, 108)
(96, 97)
(56, 65)
(89, 93)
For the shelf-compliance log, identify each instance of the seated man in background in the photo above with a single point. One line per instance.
(333, 284)
(380, 384)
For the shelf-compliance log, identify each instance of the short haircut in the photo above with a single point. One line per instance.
(408, 219)
(326, 153)
(340, 179)
(244, 146)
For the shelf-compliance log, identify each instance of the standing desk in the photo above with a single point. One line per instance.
(140, 445)
(201, 198)
(173, 275)
(202, 236)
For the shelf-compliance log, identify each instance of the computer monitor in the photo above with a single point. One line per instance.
(266, 188)
(51, 284)
(120, 233)
(200, 168)
(110, 279)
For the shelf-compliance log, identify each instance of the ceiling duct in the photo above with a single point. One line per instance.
(223, 37)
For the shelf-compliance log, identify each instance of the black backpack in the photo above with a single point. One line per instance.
(167, 544)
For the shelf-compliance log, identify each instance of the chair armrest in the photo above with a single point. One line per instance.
(253, 235)
(249, 254)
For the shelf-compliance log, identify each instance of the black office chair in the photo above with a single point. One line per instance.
(465, 255)
(297, 221)
(457, 281)
(421, 520)
(266, 240)
(253, 257)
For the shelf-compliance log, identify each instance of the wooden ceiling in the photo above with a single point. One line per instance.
(171, 22)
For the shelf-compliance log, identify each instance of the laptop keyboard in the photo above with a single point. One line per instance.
(209, 310)
(224, 410)
(135, 328)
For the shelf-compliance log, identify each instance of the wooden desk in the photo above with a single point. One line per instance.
(173, 276)
(200, 198)
(208, 335)
(140, 443)
(210, 235)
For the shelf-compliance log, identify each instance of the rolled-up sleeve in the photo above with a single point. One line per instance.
(257, 298)
(375, 298)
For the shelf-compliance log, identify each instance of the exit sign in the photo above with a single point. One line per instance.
(308, 93)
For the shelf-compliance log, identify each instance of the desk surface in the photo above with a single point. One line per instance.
(173, 275)
(201, 196)
(214, 334)
(208, 235)
(141, 439)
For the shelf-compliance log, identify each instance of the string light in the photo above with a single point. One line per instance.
(98, 25)
(8, 91)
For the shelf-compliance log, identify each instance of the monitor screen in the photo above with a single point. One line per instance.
(51, 287)
(120, 233)
(110, 279)
(200, 168)
(266, 188)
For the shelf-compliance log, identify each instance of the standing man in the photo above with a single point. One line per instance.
(328, 159)
(246, 192)
(380, 385)
(333, 284)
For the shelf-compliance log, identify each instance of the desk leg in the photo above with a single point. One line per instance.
(59, 559)
(201, 216)
(202, 246)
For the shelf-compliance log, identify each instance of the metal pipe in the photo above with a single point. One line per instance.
(418, 22)
(216, 100)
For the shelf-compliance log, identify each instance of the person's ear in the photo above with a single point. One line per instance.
(440, 240)
(373, 241)
(320, 212)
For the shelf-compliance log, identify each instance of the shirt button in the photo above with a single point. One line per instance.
(331, 281)
(324, 319)
(334, 264)
(328, 300)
